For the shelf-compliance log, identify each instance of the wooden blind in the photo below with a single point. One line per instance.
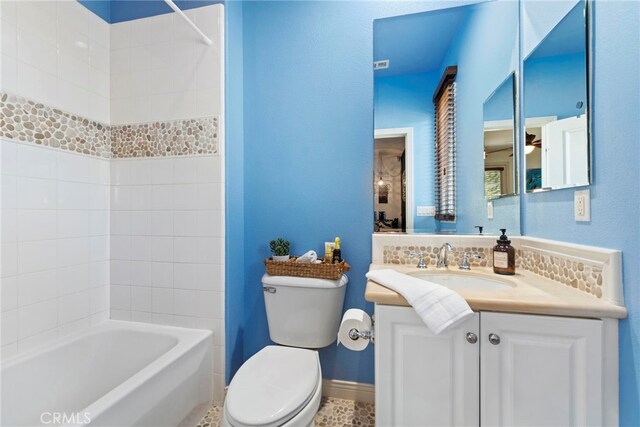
(445, 146)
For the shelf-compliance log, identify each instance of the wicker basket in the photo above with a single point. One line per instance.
(306, 269)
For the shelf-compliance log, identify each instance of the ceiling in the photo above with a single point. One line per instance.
(416, 43)
(114, 11)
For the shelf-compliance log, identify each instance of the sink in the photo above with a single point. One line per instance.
(465, 282)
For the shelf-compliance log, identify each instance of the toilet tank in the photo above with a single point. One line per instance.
(303, 312)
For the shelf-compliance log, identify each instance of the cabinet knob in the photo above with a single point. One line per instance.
(472, 338)
(494, 339)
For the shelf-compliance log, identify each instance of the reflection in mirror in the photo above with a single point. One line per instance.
(390, 185)
(415, 54)
(556, 107)
(500, 163)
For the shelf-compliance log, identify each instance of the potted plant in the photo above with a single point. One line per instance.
(280, 249)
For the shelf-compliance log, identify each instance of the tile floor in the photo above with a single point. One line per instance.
(333, 412)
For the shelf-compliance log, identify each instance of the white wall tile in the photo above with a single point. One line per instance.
(36, 84)
(9, 327)
(140, 298)
(9, 192)
(162, 171)
(72, 167)
(38, 52)
(35, 162)
(36, 318)
(9, 33)
(36, 193)
(36, 224)
(120, 35)
(73, 70)
(162, 274)
(120, 297)
(9, 69)
(141, 223)
(74, 43)
(121, 247)
(185, 170)
(37, 256)
(99, 222)
(120, 222)
(99, 248)
(73, 251)
(120, 272)
(37, 287)
(162, 300)
(9, 225)
(9, 263)
(73, 279)
(161, 249)
(9, 293)
(99, 299)
(162, 197)
(196, 303)
(73, 195)
(73, 307)
(9, 157)
(141, 273)
(73, 223)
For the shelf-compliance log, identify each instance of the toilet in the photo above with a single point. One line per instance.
(281, 385)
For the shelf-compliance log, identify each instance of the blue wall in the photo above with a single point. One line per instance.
(406, 101)
(308, 149)
(615, 193)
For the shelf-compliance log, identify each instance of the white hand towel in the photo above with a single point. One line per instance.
(310, 256)
(438, 307)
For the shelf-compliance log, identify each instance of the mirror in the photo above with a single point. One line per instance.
(435, 74)
(500, 159)
(557, 147)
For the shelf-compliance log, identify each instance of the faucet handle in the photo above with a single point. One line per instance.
(421, 259)
(464, 263)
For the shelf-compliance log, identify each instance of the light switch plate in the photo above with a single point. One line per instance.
(582, 205)
(426, 211)
(489, 210)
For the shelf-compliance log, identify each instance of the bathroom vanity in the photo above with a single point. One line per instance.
(536, 352)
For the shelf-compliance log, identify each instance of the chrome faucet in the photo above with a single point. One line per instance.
(443, 261)
(464, 263)
(421, 259)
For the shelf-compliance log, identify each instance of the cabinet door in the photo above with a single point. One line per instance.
(545, 371)
(424, 379)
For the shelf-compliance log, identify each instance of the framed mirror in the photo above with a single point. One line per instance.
(500, 157)
(556, 106)
(434, 74)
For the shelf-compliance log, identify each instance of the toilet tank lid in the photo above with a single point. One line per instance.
(304, 282)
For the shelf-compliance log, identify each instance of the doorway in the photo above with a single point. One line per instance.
(392, 180)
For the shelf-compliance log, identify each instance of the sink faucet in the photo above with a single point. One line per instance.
(464, 263)
(443, 261)
(421, 259)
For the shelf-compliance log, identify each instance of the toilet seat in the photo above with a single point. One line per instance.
(272, 387)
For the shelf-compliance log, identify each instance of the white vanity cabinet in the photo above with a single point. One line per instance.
(522, 370)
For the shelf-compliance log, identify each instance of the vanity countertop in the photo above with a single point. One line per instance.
(531, 294)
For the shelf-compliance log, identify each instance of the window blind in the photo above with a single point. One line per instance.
(445, 146)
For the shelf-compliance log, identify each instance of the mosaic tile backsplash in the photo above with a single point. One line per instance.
(28, 121)
(578, 275)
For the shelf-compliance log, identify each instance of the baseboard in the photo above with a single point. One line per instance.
(360, 392)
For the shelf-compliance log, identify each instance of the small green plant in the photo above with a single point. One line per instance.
(280, 246)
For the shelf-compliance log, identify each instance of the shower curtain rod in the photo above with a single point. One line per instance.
(177, 10)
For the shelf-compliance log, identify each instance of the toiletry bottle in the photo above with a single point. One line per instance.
(337, 254)
(504, 255)
(328, 253)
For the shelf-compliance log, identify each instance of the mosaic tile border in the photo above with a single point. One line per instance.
(28, 121)
(159, 139)
(579, 275)
(33, 122)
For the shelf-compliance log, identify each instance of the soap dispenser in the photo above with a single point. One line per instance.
(504, 255)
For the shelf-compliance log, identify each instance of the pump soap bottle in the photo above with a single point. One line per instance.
(504, 255)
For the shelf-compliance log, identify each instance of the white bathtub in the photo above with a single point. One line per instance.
(117, 374)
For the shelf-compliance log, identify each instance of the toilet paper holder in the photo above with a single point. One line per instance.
(355, 334)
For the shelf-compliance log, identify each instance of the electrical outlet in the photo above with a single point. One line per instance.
(489, 210)
(426, 211)
(582, 205)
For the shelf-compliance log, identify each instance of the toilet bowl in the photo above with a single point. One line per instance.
(281, 385)
(278, 386)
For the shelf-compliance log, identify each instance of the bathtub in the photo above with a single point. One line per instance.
(116, 374)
